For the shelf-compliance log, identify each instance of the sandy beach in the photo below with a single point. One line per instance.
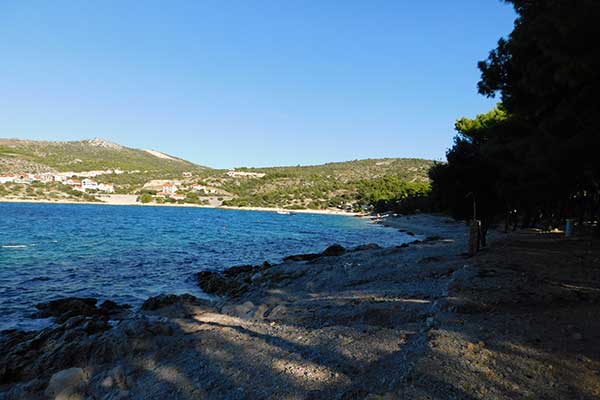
(417, 321)
(131, 200)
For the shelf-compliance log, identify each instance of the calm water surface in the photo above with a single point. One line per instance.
(128, 253)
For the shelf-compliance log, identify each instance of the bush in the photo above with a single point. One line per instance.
(146, 198)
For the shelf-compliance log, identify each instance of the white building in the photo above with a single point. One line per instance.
(88, 184)
(6, 178)
(232, 173)
(106, 187)
(169, 188)
(73, 182)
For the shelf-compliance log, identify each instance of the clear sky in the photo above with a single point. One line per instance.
(247, 83)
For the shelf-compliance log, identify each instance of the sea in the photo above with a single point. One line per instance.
(129, 253)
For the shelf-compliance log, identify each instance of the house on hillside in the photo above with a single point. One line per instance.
(106, 187)
(6, 178)
(187, 174)
(232, 173)
(46, 177)
(23, 178)
(73, 182)
(88, 184)
(177, 196)
(169, 188)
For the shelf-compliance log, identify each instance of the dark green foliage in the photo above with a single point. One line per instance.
(342, 185)
(145, 198)
(537, 153)
(192, 197)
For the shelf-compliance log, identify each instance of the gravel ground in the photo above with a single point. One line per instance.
(519, 320)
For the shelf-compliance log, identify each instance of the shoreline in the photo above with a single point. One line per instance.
(137, 204)
(414, 321)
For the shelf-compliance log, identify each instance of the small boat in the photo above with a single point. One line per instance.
(284, 212)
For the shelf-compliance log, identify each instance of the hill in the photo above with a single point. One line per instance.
(349, 185)
(85, 155)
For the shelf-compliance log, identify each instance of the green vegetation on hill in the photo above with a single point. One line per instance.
(85, 155)
(390, 183)
(348, 185)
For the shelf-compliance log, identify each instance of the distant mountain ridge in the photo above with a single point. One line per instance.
(348, 185)
(18, 155)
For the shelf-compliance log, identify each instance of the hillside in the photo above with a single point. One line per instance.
(85, 155)
(346, 185)
(350, 185)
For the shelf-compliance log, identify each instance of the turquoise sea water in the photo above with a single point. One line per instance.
(128, 253)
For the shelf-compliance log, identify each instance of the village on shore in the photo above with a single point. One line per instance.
(154, 190)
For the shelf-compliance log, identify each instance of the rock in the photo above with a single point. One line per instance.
(119, 395)
(433, 238)
(145, 326)
(165, 300)
(245, 311)
(67, 308)
(261, 311)
(257, 277)
(92, 326)
(369, 246)
(215, 283)
(232, 272)
(334, 250)
(331, 251)
(109, 307)
(63, 309)
(67, 384)
(117, 377)
(302, 257)
(278, 312)
(266, 265)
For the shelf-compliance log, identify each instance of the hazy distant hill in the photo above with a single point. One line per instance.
(85, 155)
(341, 185)
(348, 185)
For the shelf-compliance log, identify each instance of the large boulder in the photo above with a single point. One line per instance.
(166, 300)
(302, 257)
(69, 307)
(331, 251)
(63, 309)
(334, 250)
(213, 282)
(67, 384)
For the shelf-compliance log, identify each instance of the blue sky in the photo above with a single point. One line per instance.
(247, 83)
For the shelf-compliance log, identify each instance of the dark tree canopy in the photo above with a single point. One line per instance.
(548, 75)
(537, 152)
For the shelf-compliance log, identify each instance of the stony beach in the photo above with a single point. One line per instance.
(417, 321)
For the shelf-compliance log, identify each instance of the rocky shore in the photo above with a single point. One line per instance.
(418, 321)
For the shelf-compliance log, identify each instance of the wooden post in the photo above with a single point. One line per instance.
(474, 237)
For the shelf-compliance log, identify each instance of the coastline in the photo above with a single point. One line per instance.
(414, 321)
(134, 203)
